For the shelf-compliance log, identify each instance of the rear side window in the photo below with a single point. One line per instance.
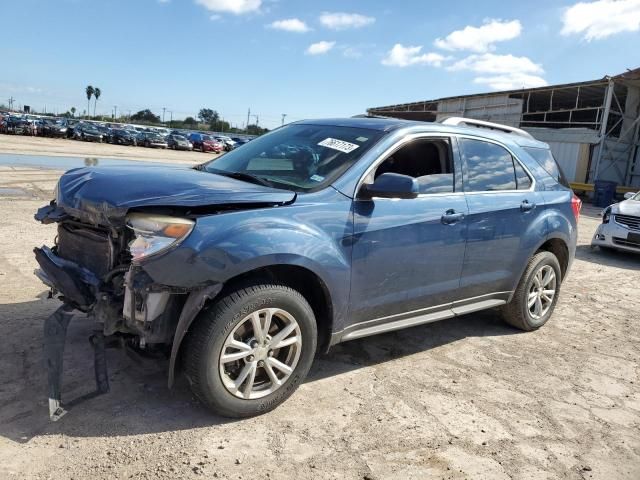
(491, 167)
(523, 181)
(545, 158)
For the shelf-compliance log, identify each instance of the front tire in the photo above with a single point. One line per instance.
(537, 293)
(249, 351)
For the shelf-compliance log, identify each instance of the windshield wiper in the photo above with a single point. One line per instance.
(247, 177)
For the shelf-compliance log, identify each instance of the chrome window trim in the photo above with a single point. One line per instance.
(399, 144)
(450, 136)
(515, 157)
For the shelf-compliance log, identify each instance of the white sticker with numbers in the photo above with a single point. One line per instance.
(340, 145)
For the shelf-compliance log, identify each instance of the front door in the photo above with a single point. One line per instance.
(408, 253)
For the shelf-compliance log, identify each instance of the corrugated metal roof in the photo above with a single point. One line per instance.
(633, 74)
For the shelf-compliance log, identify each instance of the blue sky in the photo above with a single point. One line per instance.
(305, 59)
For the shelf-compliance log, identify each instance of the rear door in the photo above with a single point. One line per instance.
(504, 221)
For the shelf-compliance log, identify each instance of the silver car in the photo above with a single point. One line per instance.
(620, 227)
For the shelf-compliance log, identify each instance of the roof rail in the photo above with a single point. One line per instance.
(369, 115)
(482, 124)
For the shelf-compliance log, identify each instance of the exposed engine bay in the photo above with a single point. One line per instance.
(90, 268)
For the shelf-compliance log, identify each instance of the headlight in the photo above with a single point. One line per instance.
(156, 233)
(606, 215)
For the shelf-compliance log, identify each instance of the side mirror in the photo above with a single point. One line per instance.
(391, 185)
(628, 195)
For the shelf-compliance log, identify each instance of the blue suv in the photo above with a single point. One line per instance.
(239, 270)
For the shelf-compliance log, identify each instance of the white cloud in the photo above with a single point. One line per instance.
(164, 1)
(320, 48)
(343, 21)
(290, 25)
(480, 39)
(8, 87)
(511, 81)
(236, 7)
(492, 63)
(215, 17)
(502, 72)
(401, 56)
(351, 52)
(601, 19)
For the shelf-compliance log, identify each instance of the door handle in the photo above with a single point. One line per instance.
(526, 206)
(450, 217)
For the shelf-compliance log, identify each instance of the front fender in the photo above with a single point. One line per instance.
(221, 247)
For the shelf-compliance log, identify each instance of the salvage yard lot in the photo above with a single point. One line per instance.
(463, 398)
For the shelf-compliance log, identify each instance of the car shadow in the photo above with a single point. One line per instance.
(609, 258)
(139, 401)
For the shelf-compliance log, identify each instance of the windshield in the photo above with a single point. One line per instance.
(179, 137)
(636, 197)
(299, 157)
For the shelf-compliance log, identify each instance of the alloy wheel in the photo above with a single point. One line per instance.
(542, 292)
(260, 353)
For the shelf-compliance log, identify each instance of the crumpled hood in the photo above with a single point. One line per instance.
(104, 195)
(628, 207)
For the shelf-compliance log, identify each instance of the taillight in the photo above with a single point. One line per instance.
(576, 205)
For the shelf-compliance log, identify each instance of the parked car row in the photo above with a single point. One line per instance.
(117, 134)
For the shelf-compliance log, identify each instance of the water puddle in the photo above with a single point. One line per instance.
(64, 163)
(12, 192)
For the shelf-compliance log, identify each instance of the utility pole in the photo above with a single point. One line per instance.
(284, 115)
(11, 100)
(248, 115)
(163, 109)
(170, 118)
(257, 120)
(115, 112)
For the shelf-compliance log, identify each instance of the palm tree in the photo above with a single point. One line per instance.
(96, 95)
(73, 111)
(89, 91)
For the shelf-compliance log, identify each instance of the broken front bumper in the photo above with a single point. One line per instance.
(77, 285)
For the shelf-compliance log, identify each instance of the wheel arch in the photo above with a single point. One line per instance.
(560, 249)
(299, 278)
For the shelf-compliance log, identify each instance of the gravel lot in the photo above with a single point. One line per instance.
(463, 398)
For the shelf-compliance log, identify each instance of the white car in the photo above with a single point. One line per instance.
(620, 227)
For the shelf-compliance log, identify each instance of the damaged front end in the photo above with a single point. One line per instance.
(92, 269)
(112, 225)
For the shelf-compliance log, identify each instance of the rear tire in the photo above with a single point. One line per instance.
(533, 303)
(271, 373)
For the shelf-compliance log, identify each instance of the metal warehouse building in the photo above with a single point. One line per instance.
(592, 127)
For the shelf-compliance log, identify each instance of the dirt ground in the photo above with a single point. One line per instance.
(467, 398)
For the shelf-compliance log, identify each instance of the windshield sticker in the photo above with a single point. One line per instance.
(317, 178)
(361, 139)
(340, 145)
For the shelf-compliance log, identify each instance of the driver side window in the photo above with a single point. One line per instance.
(429, 161)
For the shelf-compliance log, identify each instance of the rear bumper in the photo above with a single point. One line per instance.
(77, 284)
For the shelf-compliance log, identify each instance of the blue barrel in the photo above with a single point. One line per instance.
(604, 193)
